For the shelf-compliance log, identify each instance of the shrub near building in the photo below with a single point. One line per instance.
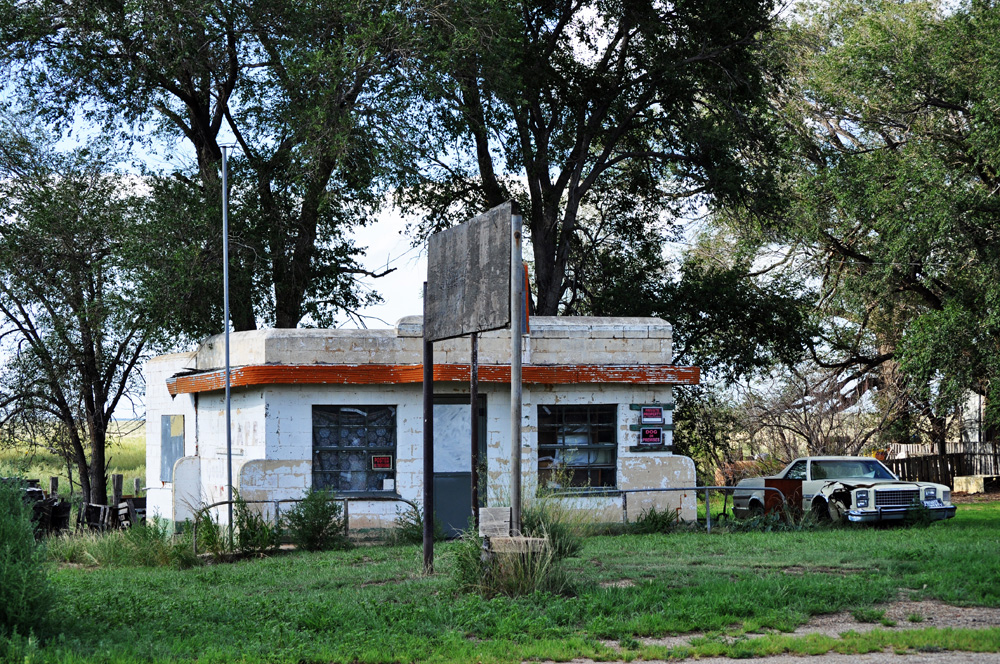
(24, 588)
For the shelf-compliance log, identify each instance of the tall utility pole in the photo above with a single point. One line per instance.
(225, 307)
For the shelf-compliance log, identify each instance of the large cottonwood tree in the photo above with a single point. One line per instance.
(77, 287)
(894, 190)
(296, 86)
(651, 108)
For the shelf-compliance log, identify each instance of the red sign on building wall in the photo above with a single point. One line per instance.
(650, 436)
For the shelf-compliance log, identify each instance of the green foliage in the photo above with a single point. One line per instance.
(548, 518)
(891, 123)
(653, 520)
(868, 615)
(732, 325)
(72, 265)
(375, 604)
(144, 545)
(784, 521)
(317, 523)
(594, 153)
(510, 573)
(409, 527)
(305, 90)
(254, 534)
(25, 591)
(210, 536)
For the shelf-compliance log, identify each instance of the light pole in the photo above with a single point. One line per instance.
(225, 306)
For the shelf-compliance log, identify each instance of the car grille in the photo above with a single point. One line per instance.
(896, 498)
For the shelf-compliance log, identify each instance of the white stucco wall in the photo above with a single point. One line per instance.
(272, 426)
(159, 494)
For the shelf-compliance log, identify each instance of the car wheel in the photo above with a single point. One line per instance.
(821, 511)
(756, 510)
(838, 512)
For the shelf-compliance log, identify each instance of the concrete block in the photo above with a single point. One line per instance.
(977, 483)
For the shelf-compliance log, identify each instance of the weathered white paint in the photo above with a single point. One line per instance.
(160, 495)
(272, 425)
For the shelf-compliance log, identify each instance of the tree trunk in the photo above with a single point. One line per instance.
(939, 433)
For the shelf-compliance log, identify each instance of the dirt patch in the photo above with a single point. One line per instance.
(622, 583)
(799, 570)
(905, 614)
(962, 498)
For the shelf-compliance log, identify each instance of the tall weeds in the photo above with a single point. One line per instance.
(521, 569)
(143, 545)
(317, 523)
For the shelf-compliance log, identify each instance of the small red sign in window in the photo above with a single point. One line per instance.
(382, 462)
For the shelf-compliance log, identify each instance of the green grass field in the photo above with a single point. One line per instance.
(373, 604)
(126, 456)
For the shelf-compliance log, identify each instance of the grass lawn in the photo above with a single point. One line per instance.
(372, 604)
(126, 456)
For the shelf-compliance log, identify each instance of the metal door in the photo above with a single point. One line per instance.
(453, 460)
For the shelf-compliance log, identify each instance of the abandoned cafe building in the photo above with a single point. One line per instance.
(343, 410)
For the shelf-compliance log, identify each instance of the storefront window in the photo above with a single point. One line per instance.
(354, 448)
(577, 446)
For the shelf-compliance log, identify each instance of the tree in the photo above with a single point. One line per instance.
(559, 104)
(894, 190)
(298, 86)
(75, 280)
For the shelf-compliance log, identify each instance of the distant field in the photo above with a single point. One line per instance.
(126, 456)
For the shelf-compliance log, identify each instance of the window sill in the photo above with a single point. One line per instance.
(361, 495)
(651, 448)
(573, 492)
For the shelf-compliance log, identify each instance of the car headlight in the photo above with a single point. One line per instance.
(946, 495)
(861, 498)
(930, 493)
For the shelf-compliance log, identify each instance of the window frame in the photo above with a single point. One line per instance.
(562, 420)
(367, 450)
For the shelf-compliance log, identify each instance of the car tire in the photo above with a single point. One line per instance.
(821, 511)
(756, 510)
(838, 512)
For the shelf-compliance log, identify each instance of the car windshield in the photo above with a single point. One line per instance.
(850, 468)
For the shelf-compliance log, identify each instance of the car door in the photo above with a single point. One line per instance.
(800, 471)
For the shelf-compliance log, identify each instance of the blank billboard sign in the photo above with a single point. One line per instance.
(468, 276)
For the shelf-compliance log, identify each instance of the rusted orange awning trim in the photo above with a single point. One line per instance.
(395, 374)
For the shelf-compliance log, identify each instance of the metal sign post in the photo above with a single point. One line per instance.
(516, 322)
(428, 446)
(474, 428)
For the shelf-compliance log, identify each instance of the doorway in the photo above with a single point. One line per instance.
(453, 461)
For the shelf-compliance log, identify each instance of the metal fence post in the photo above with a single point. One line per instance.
(708, 512)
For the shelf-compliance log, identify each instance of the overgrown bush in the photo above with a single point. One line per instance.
(410, 527)
(25, 592)
(210, 536)
(522, 571)
(546, 517)
(254, 535)
(653, 520)
(317, 523)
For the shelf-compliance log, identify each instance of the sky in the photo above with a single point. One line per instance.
(402, 290)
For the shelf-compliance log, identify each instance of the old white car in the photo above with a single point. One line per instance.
(845, 488)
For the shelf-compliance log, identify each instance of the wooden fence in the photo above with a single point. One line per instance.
(943, 469)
